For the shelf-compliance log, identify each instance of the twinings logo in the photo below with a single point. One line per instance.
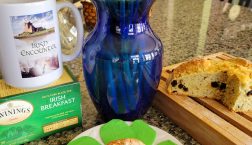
(13, 112)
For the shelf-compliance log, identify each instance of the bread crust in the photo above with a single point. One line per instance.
(193, 66)
(242, 62)
(235, 65)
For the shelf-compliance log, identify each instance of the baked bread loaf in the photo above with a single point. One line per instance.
(227, 80)
(126, 142)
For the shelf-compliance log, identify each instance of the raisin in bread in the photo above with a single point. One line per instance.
(126, 142)
(229, 81)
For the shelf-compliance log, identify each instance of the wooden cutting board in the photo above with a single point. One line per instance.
(206, 120)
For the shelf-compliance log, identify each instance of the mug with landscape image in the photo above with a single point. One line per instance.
(35, 44)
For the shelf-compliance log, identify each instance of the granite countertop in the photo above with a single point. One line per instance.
(187, 29)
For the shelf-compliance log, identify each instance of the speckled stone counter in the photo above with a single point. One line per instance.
(187, 28)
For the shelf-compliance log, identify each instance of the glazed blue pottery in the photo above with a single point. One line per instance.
(122, 59)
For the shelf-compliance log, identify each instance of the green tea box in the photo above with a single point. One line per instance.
(26, 115)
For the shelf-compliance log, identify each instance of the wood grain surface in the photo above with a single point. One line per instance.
(207, 120)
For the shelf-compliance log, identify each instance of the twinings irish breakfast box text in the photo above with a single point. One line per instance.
(26, 115)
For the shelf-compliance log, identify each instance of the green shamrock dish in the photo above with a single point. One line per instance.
(85, 140)
(117, 129)
(143, 132)
(168, 142)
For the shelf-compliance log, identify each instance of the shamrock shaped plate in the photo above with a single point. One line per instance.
(118, 129)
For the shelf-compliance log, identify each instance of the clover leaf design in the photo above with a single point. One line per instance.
(117, 129)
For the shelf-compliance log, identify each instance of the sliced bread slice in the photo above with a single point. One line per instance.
(229, 81)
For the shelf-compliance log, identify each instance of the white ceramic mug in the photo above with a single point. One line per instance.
(30, 51)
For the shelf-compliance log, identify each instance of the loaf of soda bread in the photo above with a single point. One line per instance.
(126, 142)
(227, 80)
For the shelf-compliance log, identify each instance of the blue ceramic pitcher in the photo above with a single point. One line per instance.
(122, 59)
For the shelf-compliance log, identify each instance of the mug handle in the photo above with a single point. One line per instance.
(79, 26)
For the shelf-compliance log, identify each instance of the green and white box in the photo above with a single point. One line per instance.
(26, 115)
